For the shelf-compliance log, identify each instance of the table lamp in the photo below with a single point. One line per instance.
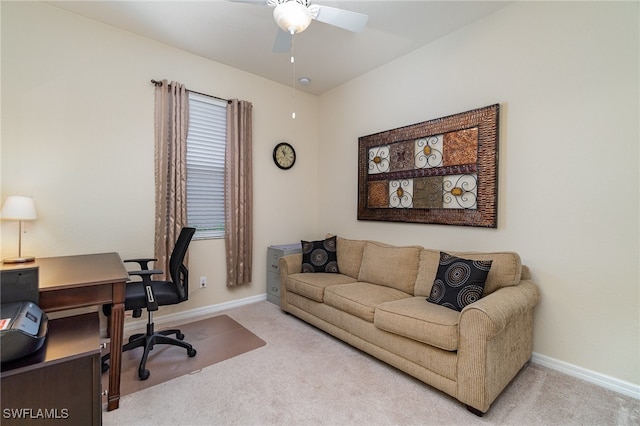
(19, 208)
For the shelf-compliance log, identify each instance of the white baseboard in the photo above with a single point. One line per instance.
(607, 382)
(159, 321)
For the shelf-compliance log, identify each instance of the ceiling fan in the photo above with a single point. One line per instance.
(294, 16)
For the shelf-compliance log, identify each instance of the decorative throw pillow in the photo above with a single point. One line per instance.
(459, 282)
(320, 256)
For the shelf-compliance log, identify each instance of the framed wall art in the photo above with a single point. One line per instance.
(441, 171)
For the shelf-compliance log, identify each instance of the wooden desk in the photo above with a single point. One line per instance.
(69, 282)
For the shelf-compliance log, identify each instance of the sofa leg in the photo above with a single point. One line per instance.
(475, 411)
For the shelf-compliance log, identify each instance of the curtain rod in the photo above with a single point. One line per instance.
(159, 83)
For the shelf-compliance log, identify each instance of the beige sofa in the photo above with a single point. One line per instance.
(377, 303)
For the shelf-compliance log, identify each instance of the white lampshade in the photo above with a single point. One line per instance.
(17, 207)
(292, 17)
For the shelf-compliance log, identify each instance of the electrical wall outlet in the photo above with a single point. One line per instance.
(203, 282)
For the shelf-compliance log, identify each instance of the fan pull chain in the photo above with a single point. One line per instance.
(293, 80)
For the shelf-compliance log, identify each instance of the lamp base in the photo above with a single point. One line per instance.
(23, 259)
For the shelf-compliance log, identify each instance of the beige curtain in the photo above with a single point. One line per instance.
(171, 128)
(239, 193)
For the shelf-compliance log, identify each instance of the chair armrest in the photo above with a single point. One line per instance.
(152, 303)
(143, 262)
(150, 298)
(146, 272)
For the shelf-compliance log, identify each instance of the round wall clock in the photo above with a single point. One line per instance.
(284, 155)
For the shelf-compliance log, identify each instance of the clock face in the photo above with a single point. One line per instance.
(284, 155)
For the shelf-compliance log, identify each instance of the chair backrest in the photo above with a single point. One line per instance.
(179, 273)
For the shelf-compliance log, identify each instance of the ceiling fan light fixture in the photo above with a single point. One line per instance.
(292, 17)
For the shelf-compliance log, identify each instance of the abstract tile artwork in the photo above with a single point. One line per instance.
(440, 171)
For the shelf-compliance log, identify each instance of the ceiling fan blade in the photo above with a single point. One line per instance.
(262, 2)
(283, 42)
(345, 19)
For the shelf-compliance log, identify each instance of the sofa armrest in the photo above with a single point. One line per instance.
(499, 308)
(495, 341)
(290, 264)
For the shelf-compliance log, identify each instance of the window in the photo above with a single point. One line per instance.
(206, 141)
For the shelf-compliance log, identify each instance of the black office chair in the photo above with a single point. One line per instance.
(150, 294)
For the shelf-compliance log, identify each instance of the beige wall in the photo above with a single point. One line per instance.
(566, 77)
(77, 134)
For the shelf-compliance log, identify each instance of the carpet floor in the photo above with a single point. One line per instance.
(215, 339)
(303, 376)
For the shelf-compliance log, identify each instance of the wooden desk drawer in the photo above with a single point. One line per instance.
(76, 297)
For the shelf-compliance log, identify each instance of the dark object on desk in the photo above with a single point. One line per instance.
(150, 294)
(19, 284)
(23, 330)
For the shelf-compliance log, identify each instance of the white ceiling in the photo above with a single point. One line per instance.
(242, 35)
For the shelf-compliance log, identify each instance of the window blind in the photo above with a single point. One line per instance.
(206, 142)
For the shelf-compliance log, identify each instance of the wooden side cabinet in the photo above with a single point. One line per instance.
(61, 383)
(274, 253)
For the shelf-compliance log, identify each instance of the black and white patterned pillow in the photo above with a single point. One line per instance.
(459, 282)
(320, 256)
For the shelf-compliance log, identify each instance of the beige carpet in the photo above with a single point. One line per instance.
(306, 377)
(215, 339)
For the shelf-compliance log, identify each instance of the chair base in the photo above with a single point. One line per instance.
(148, 341)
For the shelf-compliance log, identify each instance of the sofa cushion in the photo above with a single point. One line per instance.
(360, 298)
(350, 256)
(506, 269)
(459, 282)
(395, 267)
(320, 256)
(429, 260)
(425, 322)
(312, 286)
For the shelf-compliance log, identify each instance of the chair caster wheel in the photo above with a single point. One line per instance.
(180, 336)
(144, 374)
(191, 352)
